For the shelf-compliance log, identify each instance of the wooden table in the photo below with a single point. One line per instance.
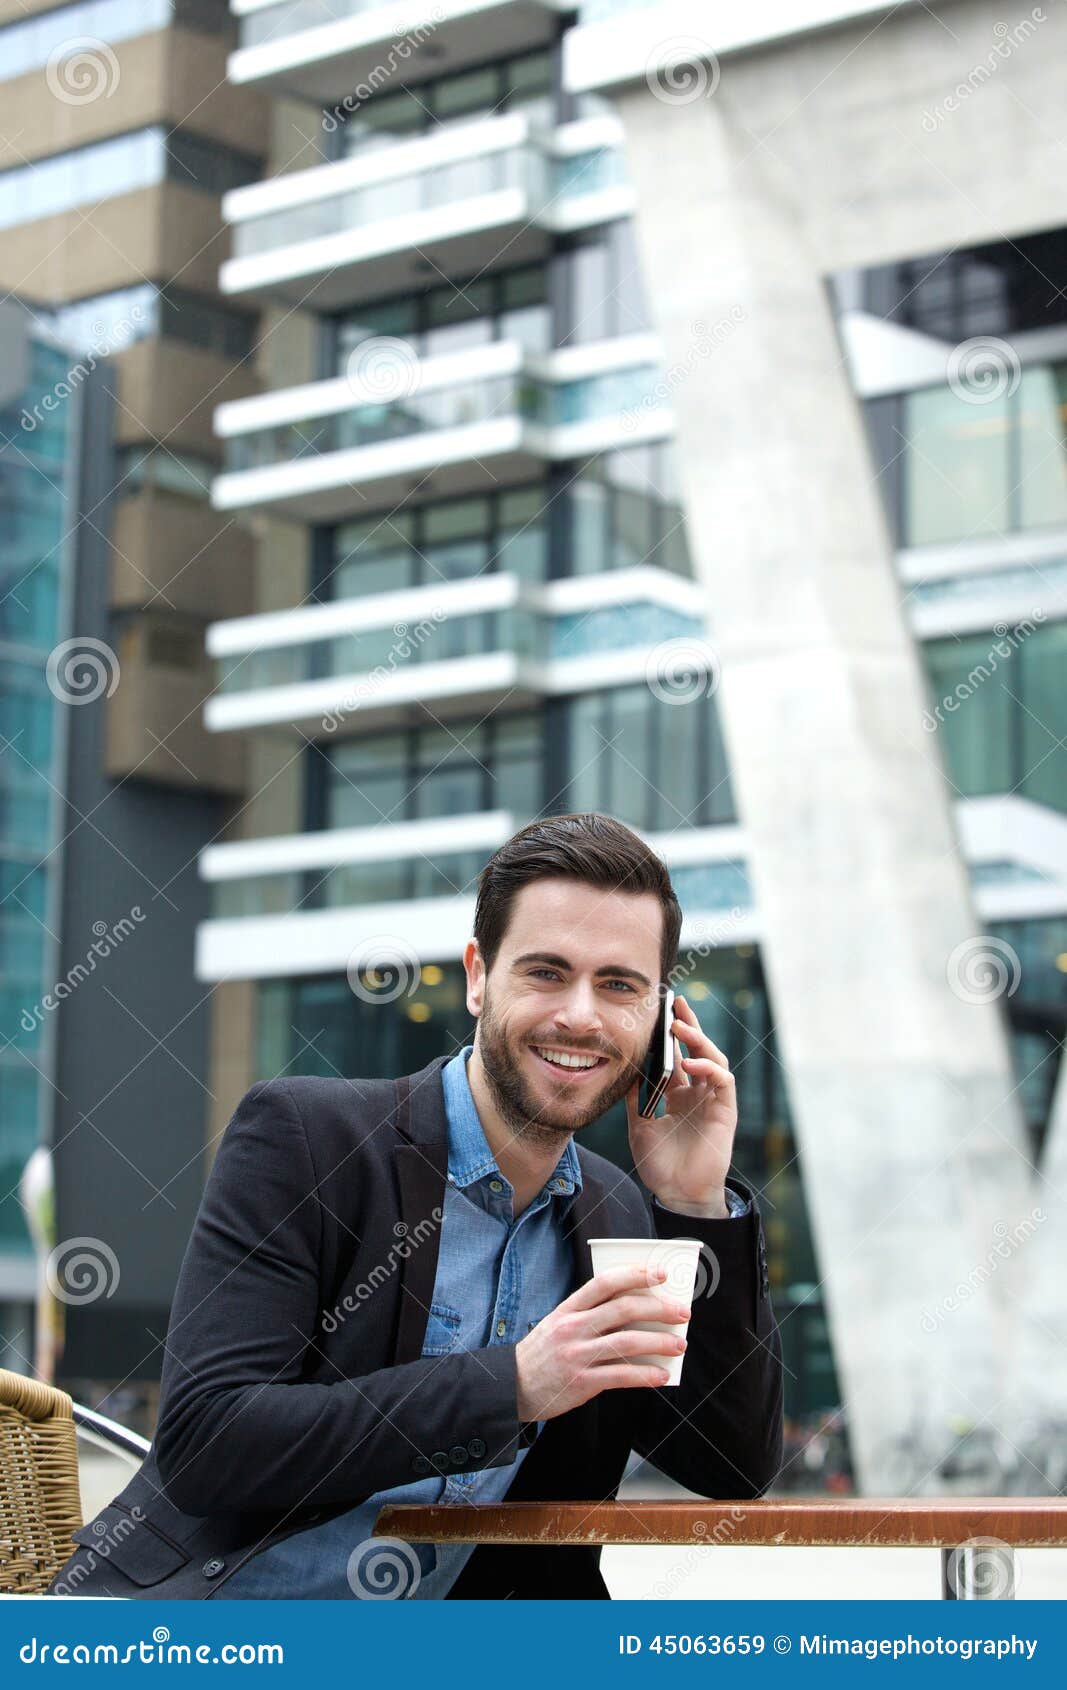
(977, 1536)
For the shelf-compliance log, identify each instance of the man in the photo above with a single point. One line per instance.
(388, 1291)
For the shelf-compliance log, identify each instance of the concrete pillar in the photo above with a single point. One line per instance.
(898, 1064)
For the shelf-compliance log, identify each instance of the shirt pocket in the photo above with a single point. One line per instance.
(442, 1330)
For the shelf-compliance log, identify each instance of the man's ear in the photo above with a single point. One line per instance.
(474, 968)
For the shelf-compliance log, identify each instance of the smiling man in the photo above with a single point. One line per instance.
(388, 1292)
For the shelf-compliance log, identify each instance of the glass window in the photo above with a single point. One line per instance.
(1041, 410)
(367, 782)
(956, 466)
(373, 557)
(1043, 715)
(969, 687)
(523, 534)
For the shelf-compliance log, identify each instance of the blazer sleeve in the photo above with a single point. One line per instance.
(720, 1431)
(238, 1429)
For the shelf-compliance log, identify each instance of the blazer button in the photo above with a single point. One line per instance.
(458, 1455)
(211, 1569)
(420, 1464)
(477, 1447)
(439, 1460)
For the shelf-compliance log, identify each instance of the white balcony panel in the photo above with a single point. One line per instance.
(626, 43)
(332, 847)
(446, 461)
(324, 941)
(361, 45)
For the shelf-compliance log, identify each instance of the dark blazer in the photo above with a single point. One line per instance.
(293, 1385)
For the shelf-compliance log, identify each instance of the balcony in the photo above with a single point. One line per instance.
(286, 46)
(492, 416)
(468, 198)
(326, 668)
(301, 904)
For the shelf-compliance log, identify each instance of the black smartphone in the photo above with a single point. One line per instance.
(659, 1065)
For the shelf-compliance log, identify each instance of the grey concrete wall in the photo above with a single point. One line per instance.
(911, 1139)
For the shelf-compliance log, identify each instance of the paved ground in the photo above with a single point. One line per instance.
(725, 1574)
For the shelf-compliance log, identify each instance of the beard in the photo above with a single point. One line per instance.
(517, 1102)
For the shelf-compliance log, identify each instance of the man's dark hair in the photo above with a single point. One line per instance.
(586, 846)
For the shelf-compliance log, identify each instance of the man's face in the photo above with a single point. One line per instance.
(576, 976)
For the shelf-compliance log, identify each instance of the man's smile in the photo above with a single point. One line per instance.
(568, 1065)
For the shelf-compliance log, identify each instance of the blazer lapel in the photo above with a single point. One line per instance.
(421, 1160)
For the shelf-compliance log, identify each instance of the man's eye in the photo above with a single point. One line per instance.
(549, 971)
(625, 984)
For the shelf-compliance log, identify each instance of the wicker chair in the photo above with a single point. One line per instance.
(40, 1499)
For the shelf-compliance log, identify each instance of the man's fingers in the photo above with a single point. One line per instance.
(622, 1311)
(627, 1375)
(620, 1345)
(609, 1283)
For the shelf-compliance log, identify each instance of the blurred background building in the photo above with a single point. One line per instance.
(519, 506)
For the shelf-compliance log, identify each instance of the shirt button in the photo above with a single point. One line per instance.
(211, 1569)
(458, 1453)
(495, 1185)
(501, 1328)
(477, 1447)
(562, 1184)
(439, 1460)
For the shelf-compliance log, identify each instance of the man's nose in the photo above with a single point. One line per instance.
(580, 1010)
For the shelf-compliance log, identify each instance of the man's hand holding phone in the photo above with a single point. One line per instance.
(683, 1155)
(583, 1347)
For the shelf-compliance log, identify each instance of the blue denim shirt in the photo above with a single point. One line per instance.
(496, 1278)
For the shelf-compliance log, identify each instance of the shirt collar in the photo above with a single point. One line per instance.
(469, 1155)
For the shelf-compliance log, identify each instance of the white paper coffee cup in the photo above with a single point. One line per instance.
(680, 1257)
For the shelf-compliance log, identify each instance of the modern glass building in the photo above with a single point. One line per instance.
(479, 603)
(38, 466)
